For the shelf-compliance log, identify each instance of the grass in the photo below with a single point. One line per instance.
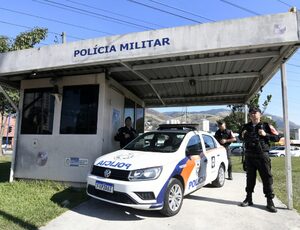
(31, 204)
(278, 171)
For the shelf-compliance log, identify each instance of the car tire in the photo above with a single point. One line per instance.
(282, 155)
(173, 198)
(220, 180)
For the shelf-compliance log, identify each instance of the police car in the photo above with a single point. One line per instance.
(157, 169)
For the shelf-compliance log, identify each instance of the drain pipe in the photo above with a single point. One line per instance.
(12, 166)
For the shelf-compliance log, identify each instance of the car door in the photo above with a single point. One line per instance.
(212, 155)
(194, 173)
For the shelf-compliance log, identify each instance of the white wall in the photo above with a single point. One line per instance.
(60, 147)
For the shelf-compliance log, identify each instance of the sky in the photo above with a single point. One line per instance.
(93, 18)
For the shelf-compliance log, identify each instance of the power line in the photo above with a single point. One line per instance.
(27, 27)
(184, 11)
(54, 20)
(284, 3)
(240, 7)
(111, 12)
(92, 14)
(293, 65)
(164, 11)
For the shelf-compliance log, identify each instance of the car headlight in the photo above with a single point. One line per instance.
(145, 174)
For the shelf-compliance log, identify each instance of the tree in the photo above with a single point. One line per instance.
(236, 119)
(24, 40)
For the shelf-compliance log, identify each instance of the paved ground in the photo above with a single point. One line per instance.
(208, 208)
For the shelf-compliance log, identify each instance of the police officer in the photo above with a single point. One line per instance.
(225, 137)
(257, 136)
(125, 134)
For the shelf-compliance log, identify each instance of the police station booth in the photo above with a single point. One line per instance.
(74, 96)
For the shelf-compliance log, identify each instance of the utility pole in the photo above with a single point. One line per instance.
(63, 37)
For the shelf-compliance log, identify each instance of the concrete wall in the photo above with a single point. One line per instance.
(68, 157)
(57, 147)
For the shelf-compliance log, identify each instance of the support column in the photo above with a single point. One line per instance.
(12, 166)
(288, 164)
(246, 113)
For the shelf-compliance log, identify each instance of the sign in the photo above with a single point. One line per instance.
(76, 162)
(123, 47)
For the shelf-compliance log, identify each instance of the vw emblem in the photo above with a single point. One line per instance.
(107, 173)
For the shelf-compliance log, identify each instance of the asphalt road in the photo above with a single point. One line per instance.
(208, 208)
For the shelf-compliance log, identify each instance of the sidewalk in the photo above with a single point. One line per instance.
(208, 208)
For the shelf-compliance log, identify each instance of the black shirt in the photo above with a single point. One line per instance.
(225, 134)
(120, 136)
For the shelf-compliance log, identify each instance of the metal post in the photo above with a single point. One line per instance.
(12, 166)
(246, 113)
(63, 37)
(7, 132)
(288, 164)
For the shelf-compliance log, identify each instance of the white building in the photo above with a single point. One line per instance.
(204, 125)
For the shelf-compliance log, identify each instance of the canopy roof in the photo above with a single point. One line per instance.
(217, 63)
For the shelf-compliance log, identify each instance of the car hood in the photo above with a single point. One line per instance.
(131, 160)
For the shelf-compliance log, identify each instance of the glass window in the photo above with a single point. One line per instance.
(194, 144)
(209, 142)
(140, 114)
(38, 111)
(129, 109)
(157, 142)
(79, 109)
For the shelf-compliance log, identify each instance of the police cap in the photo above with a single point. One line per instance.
(254, 110)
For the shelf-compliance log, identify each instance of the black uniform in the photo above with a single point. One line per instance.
(225, 134)
(257, 157)
(120, 136)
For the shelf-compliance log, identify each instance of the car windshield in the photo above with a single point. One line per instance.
(157, 142)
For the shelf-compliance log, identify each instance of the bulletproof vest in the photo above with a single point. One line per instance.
(225, 134)
(253, 141)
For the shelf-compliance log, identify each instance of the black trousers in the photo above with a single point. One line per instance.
(229, 161)
(262, 164)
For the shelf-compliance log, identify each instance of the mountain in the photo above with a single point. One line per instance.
(153, 118)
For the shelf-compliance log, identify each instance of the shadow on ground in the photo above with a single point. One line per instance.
(106, 211)
(23, 224)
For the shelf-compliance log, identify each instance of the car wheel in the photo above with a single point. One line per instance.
(220, 180)
(173, 198)
(282, 155)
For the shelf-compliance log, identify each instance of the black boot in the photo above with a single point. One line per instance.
(247, 201)
(270, 205)
(230, 176)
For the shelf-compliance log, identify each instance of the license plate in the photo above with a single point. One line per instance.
(103, 186)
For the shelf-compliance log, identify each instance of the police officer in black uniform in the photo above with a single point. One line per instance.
(257, 136)
(125, 134)
(225, 137)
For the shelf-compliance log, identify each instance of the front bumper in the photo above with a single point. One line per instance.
(126, 193)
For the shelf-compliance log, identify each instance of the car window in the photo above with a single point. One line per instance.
(157, 142)
(194, 144)
(209, 142)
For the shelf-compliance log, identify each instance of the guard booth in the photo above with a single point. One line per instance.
(74, 96)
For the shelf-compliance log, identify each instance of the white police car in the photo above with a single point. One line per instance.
(157, 169)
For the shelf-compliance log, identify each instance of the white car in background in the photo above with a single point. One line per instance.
(157, 169)
(280, 151)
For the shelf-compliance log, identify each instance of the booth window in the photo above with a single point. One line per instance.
(79, 109)
(38, 111)
(129, 110)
